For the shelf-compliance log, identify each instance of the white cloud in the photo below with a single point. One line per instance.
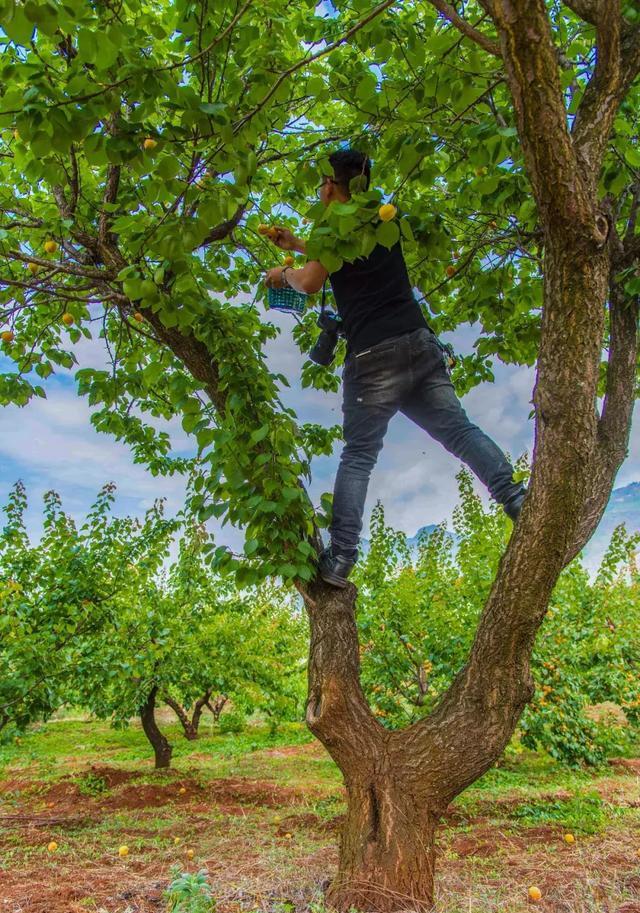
(51, 444)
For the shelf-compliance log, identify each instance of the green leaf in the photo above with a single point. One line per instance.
(388, 234)
(260, 434)
(331, 262)
(17, 26)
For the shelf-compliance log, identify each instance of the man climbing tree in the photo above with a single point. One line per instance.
(136, 169)
(394, 362)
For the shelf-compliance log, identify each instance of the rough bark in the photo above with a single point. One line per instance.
(161, 747)
(387, 850)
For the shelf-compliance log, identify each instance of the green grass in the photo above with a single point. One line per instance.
(251, 846)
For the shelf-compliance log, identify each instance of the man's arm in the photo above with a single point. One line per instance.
(308, 279)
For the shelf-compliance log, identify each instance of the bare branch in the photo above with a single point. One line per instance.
(630, 56)
(448, 11)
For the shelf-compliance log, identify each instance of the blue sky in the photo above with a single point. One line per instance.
(51, 444)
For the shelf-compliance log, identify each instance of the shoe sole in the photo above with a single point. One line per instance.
(339, 582)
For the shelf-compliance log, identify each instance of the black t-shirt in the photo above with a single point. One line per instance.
(374, 298)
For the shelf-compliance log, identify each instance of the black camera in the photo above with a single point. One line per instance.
(324, 350)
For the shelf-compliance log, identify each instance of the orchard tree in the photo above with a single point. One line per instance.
(179, 635)
(60, 596)
(244, 647)
(418, 610)
(143, 146)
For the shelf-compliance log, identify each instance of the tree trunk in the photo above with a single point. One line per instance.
(189, 727)
(387, 850)
(198, 707)
(161, 747)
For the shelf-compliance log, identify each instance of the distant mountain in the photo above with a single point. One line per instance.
(623, 507)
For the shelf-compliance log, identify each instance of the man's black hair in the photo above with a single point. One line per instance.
(348, 164)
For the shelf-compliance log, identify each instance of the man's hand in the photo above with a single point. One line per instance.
(286, 240)
(273, 277)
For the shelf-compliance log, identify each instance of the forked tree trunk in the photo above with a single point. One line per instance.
(190, 726)
(217, 705)
(398, 783)
(161, 747)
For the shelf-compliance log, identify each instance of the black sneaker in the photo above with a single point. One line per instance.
(513, 507)
(335, 569)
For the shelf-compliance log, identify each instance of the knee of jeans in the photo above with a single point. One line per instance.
(359, 456)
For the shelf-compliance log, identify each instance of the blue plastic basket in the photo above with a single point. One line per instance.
(286, 299)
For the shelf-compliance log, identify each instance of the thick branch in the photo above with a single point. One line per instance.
(602, 97)
(531, 67)
(179, 711)
(448, 11)
(630, 56)
(337, 711)
(615, 424)
(587, 10)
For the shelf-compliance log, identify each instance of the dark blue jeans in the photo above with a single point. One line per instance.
(408, 374)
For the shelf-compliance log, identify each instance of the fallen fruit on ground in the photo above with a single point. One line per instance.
(150, 143)
(190, 854)
(7, 336)
(67, 319)
(569, 838)
(182, 790)
(176, 841)
(387, 212)
(50, 247)
(53, 846)
(535, 894)
(123, 851)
